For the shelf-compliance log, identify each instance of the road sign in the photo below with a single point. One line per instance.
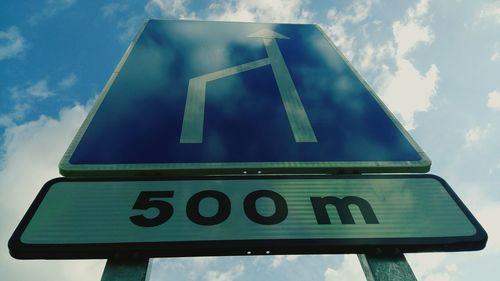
(210, 98)
(101, 218)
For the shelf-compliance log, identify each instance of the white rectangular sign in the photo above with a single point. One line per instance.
(99, 218)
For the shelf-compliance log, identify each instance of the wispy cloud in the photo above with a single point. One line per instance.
(171, 9)
(404, 89)
(491, 11)
(431, 267)
(488, 216)
(494, 100)
(53, 7)
(112, 9)
(39, 90)
(129, 27)
(5, 121)
(18, 112)
(355, 13)
(260, 10)
(496, 52)
(229, 275)
(349, 269)
(12, 43)
(407, 90)
(235, 10)
(24, 96)
(188, 268)
(128, 22)
(67, 82)
(279, 259)
(50, 9)
(476, 134)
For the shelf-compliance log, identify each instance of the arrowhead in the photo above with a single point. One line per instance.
(268, 34)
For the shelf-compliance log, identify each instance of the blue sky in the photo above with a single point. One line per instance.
(435, 64)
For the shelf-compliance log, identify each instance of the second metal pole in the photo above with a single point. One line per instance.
(127, 270)
(382, 268)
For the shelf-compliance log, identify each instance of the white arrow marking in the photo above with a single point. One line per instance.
(194, 112)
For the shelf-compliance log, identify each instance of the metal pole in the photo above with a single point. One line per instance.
(127, 270)
(382, 268)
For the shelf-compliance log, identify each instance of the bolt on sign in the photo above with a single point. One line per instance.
(102, 218)
(201, 98)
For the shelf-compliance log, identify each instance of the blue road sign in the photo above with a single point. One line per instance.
(215, 97)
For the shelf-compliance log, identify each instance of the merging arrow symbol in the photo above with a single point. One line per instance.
(192, 125)
(297, 116)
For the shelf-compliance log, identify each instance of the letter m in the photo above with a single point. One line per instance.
(342, 205)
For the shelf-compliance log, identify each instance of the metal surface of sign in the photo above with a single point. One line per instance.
(101, 218)
(205, 98)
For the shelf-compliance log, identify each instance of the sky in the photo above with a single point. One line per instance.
(435, 64)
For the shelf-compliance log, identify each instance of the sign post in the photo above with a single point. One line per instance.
(127, 269)
(208, 139)
(388, 267)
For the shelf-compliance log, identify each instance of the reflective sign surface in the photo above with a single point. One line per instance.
(215, 97)
(228, 216)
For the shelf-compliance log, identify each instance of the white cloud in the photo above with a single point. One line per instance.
(12, 43)
(39, 89)
(53, 7)
(112, 9)
(475, 135)
(229, 275)
(371, 58)
(355, 13)
(127, 21)
(235, 10)
(18, 112)
(186, 268)
(129, 27)
(420, 9)
(496, 52)
(404, 89)
(6, 121)
(50, 9)
(350, 269)
(25, 96)
(407, 91)
(488, 217)
(279, 259)
(19, 108)
(491, 11)
(494, 100)
(424, 264)
(67, 82)
(433, 267)
(30, 156)
(168, 9)
(409, 34)
(260, 11)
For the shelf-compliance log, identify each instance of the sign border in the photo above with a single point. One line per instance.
(20, 250)
(217, 168)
